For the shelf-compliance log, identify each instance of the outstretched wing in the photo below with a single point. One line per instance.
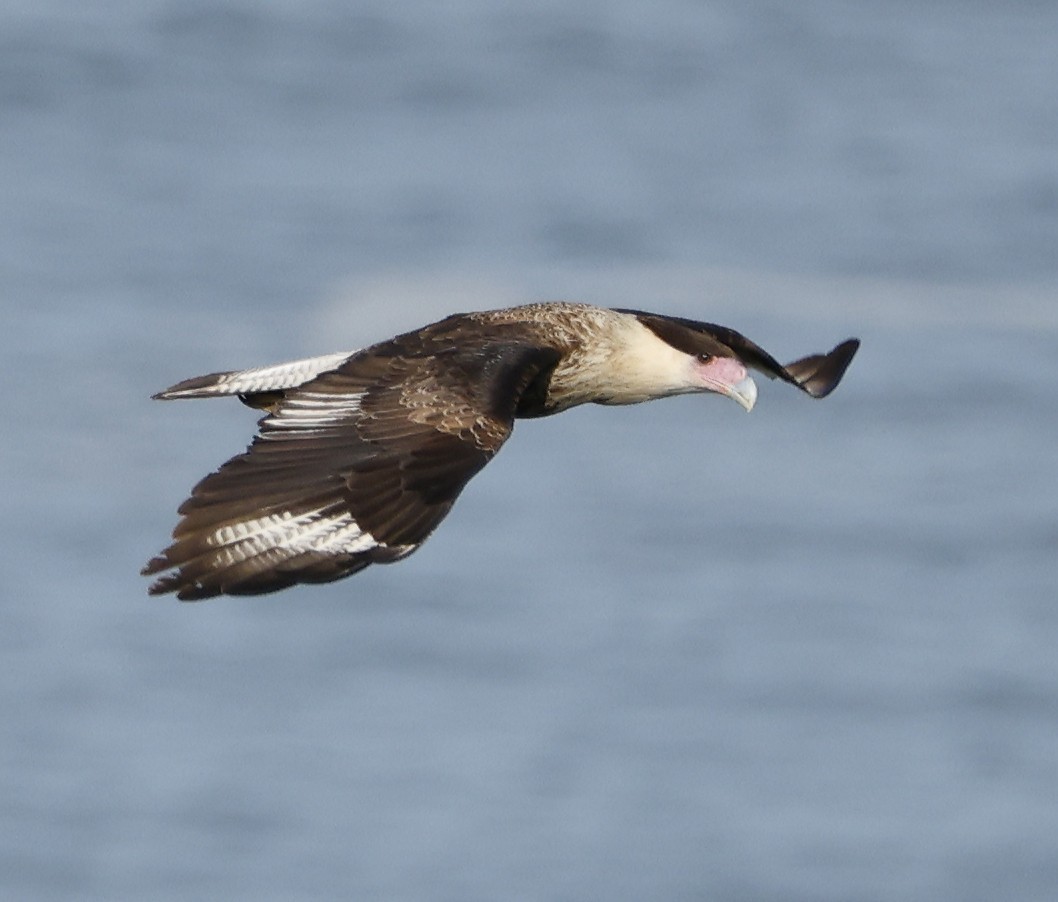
(355, 467)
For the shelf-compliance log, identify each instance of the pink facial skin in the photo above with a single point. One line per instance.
(727, 376)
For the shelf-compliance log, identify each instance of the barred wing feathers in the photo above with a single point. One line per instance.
(357, 466)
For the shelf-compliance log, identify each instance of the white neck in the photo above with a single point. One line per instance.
(624, 363)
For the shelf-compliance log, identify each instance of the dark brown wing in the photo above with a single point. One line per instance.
(355, 467)
(819, 374)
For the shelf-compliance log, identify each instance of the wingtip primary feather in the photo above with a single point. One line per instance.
(196, 387)
(819, 374)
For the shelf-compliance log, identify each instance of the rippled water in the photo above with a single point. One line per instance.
(667, 652)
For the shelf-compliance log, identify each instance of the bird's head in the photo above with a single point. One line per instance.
(707, 357)
(657, 359)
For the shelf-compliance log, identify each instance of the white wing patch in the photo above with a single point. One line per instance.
(313, 531)
(258, 379)
(315, 410)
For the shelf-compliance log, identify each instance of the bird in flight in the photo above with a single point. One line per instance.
(362, 454)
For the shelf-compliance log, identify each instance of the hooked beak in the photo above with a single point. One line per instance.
(744, 392)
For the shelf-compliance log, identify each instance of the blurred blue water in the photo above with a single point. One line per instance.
(666, 652)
